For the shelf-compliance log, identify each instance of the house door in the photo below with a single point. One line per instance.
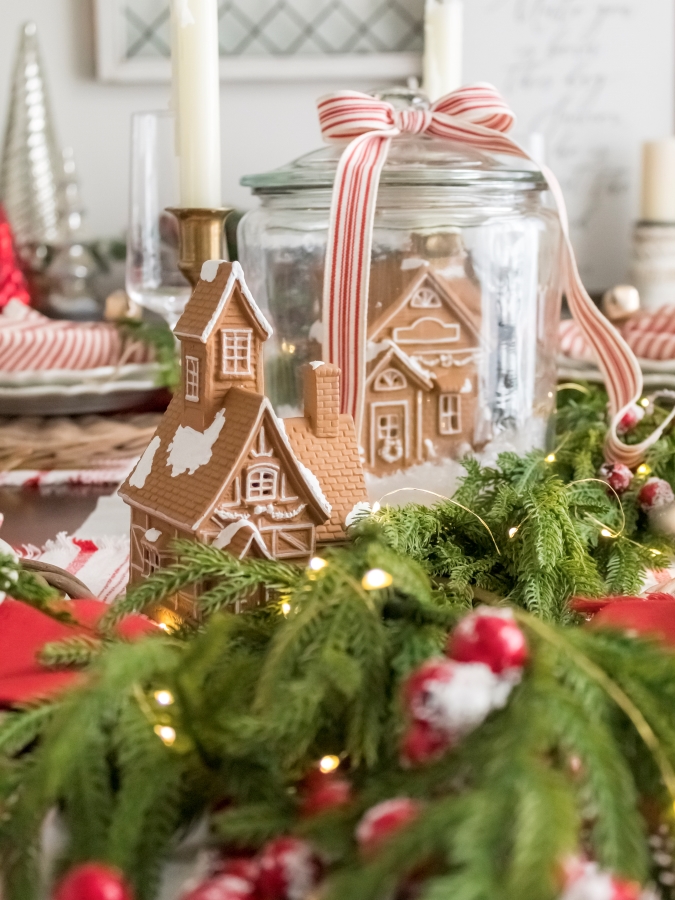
(389, 432)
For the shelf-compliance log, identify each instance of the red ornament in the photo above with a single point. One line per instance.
(630, 419)
(489, 636)
(12, 283)
(423, 744)
(321, 791)
(617, 476)
(384, 820)
(244, 867)
(454, 697)
(222, 887)
(93, 881)
(655, 494)
(289, 869)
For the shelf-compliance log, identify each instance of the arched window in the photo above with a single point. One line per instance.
(426, 298)
(390, 380)
(261, 483)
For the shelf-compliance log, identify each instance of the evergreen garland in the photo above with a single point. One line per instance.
(226, 716)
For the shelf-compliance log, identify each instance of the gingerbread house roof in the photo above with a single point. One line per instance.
(336, 464)
(451, 299)
(183, 472)
(214, 289)
(388, 351)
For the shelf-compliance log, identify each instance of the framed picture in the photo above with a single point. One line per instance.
(269, 39)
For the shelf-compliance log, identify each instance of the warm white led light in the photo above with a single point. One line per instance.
(513, 532)
(166, 733)
(164, 698)
(316, 564)
(285, 608)
(376, 579)
(329, 763)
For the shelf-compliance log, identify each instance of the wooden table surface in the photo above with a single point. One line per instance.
(36, 515)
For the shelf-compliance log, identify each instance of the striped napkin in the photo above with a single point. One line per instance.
(649, 335)
(31, 342)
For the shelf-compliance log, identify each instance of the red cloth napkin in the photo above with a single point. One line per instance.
(24, 631)
(653, 615)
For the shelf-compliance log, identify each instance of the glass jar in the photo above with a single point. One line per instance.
(463, 310)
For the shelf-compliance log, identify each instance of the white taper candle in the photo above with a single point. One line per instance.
(196, 98)
(443, 40)
(658, 181)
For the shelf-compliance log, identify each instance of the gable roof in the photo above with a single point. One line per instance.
(446, 293)
(337, 466)
(189, 498)
(391, 351)
(216, 284)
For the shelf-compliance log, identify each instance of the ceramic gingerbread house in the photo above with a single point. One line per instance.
(222, 468)
(422, 371)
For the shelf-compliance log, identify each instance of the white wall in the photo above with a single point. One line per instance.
(264, 125)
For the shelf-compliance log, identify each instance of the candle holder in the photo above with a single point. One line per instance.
(201, 237)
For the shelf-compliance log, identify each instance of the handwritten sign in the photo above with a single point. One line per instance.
(596, 78)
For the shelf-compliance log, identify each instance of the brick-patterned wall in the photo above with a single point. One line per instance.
(322, 399)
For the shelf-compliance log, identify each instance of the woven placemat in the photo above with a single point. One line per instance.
(82, 442)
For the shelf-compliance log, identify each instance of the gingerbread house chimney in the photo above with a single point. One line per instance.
(322, 398)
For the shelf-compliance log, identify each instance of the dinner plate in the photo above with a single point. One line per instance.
(62, 392)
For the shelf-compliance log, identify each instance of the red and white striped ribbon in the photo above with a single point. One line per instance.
(476, 115)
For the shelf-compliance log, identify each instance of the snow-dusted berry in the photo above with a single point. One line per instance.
(489, 636)
(423, 744)
(655, 494)
(617, 476)
(384, 820)
(454, 697)
(323, 791)
(630, 419)
(289, 869)
(587, 881)
(222, 887)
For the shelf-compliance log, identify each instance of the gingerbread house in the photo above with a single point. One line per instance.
(222, 468)
(422, 374)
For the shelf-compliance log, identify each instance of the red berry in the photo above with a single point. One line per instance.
(489, 636)
(222, 887)
(289, 869)
(244, 867)
(93, 881)
(617, 476)
(655, 494)
(585, 880)
(384, 820)
(323, 791)
(630, 419)
(422, 744)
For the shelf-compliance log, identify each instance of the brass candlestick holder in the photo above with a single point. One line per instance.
(201, 237)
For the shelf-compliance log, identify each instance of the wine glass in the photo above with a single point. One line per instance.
(153, 278)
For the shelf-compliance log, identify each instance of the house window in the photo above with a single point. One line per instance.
(261, 483)
(426, 298)
(389, 427)
(151, 559)
(191, 378)
(236, 351)
(390, 380)
(449, 420)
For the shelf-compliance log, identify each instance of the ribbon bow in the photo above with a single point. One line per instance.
(478, 116)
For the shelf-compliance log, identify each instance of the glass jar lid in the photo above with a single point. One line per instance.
(413, 160)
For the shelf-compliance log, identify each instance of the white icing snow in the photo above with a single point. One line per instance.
(413, 263)
(237, 275)
(317, 363)
(359, 511)
(210, 269)
(316, 331)
(144, 466)
(467, 387)
(286, 411)
(374, 349)
(430, 448)
(315, 487)
(224, 539)
(152, 535)
(191, 449)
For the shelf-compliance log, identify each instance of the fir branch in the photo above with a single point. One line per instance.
(73, 652)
